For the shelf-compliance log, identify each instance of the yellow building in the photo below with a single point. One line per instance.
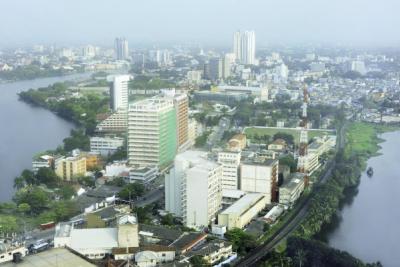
(70, 168)
(242, 211)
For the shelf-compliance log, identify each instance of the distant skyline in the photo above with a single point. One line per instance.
(207, 22)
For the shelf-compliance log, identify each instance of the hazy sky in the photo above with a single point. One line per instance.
(375, 22)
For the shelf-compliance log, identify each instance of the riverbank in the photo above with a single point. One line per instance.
(362, 143)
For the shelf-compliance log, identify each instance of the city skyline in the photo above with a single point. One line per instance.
(342, 22)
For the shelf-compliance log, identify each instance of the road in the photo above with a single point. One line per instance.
(261, 251)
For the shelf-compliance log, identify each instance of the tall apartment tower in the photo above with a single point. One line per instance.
(229, 60)
(237, 45)
(193, 189)
(181, 103)
(152, 134)
(244, 47)
(119, 91)
(215, 68)
(121, 49)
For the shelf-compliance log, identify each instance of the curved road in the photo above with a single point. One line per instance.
(262, 250)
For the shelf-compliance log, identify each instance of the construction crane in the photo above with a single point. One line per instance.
(303, 144)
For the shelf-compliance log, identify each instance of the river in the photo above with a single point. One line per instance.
(368, 226)
(26, 130)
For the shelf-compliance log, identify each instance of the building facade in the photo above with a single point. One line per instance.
(260, 177)
(152, 134)
(230, 161)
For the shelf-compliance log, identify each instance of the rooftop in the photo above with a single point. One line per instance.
(60, 257)
(244, 203)
(292, 181)
(94, 238)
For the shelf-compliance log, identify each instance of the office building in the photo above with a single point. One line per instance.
(242, 211)
(230, 161)
(181, 103)
(152, 132)
(193, 189)
(121, 49)
(260, 176)
(119, 91)
(215, 66)
(237, 46)
(105, 145)
(229, 60)
(244, 47)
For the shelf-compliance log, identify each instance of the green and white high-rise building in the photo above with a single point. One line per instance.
(152, 132)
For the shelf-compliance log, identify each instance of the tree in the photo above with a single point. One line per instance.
(36, 197)
(167, 219)
(66, 192)
(289, 161)
(86, 181)
(8, 224)
(24, 208)
(47, 176)
(241, 241)
(131, 191)
(198, 261)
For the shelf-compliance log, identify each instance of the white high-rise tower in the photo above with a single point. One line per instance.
(119, 91)
(244, 47)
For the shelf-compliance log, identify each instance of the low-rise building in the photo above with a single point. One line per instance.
(214, 251)
(291, 189)
(96, 243)
(242, 211)
(115, 123)
(278, 145)
(105, 145)
(143, 175)
(71, 167)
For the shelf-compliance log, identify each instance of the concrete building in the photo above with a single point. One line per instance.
(43, 161)
(105, 145)
(121, 49)
(181, 103)
(216, 66)
(258, 92)
(242, 211)
(115, 123)
(228, 62)
(119, 91)
(71, 167)
(143, 175)
(230, 161)
(214, 251)
(193, 189)
(9, 250)
(260, 177)
(96, 243)
(152, 132)
(194, 76)
(244, 47)
(291, 189)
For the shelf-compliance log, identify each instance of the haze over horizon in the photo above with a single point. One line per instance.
(208, 22)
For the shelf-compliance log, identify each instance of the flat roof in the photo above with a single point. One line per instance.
(60, 257)
(94, 238)
(243, 203)
(232, 193)
(293, 180)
